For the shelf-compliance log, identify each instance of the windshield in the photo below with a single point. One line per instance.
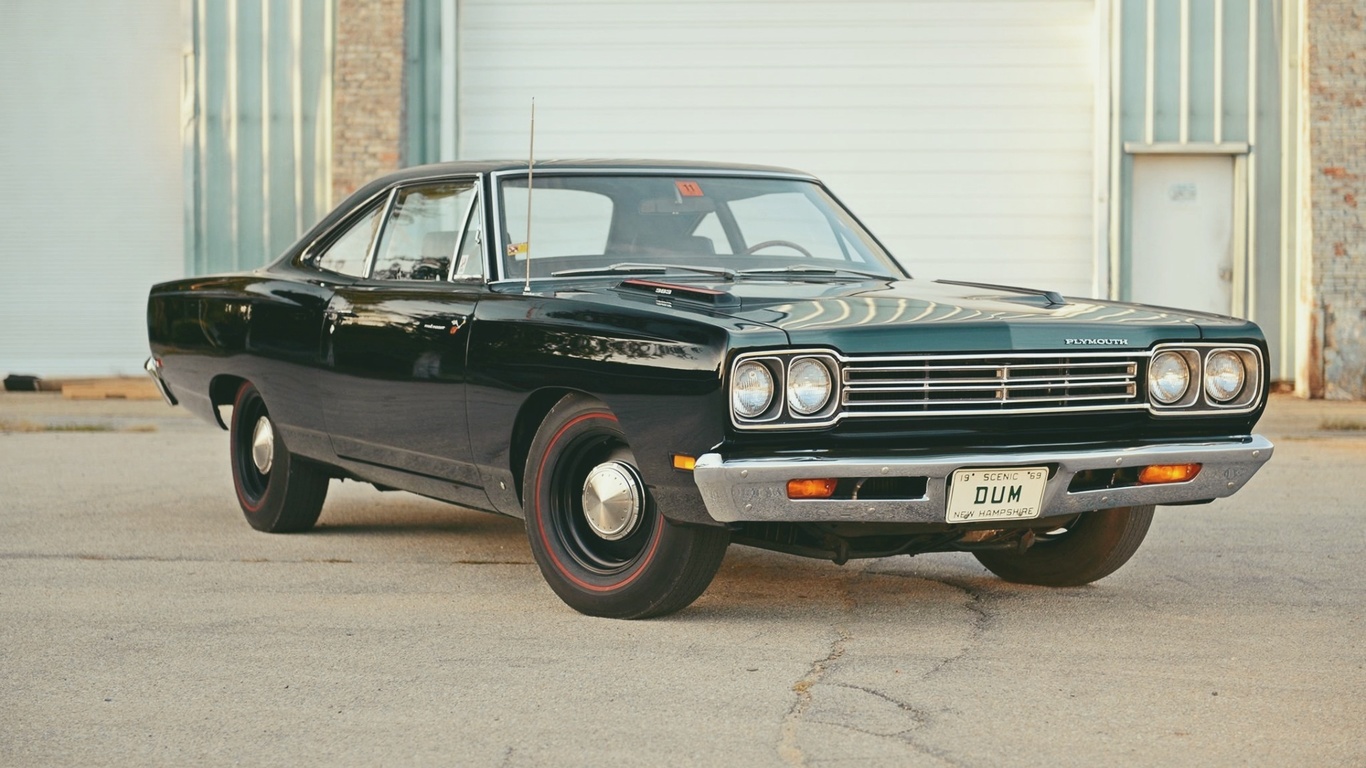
(690, 224)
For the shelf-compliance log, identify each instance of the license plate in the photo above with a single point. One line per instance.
(1015, 493)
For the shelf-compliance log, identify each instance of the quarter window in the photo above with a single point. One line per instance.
(346, 255)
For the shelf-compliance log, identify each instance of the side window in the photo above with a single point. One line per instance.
(470, 263)
(346, 255)
(419, 240)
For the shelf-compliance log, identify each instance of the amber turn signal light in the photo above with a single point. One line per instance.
(685, 463)
(811, 488)
(1156, 474)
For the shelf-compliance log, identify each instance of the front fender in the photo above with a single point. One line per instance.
(660, 373)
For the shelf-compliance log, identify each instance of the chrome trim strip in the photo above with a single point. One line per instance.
(1022, 411)
(378, 237)
(1127, 353)
(465, 224)
(756, 489)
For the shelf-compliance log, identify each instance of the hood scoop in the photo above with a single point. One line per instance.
(667, 292)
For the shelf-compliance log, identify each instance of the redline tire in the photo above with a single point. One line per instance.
(652, 567)
(1091, 547)
(285, 497)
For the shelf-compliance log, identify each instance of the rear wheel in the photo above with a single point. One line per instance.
(1090, 547)
(594, 530)
(278, 491)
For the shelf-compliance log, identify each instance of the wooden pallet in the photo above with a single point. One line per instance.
(135, 388)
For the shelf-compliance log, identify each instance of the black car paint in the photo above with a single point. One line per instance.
(437, 387)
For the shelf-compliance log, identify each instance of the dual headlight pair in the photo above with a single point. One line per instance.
(807, 383)
(1203, 376)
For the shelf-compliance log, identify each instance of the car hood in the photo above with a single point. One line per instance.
(909, 315)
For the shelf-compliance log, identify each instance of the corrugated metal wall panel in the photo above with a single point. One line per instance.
(961, 132)
(92, 194)
(422, 82)
(1231, 70)
(258, 135)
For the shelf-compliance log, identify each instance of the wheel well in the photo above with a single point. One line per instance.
(223, 391)
(529, 420)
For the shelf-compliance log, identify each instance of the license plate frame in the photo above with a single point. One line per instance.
(979, 494)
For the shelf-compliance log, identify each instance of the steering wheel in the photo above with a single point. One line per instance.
(782, 243)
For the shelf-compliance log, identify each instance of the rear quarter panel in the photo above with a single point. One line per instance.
(259, 327)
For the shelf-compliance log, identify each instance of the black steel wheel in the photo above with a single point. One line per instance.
(278, 492)
(594, 530)
(1090, 547)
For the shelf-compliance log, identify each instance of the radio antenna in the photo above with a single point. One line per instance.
(530, 173)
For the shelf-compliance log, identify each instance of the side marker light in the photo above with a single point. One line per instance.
(685, 463)
(811, 488)
(1156, 474)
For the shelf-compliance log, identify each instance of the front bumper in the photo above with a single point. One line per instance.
(755, 489)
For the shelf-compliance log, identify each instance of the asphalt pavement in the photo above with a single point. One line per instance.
(142, 622)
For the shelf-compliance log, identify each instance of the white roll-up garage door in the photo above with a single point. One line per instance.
(92, 194)
(962, 133)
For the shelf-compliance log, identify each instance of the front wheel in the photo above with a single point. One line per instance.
(1090, 547)
(594, 530)
(278, 491)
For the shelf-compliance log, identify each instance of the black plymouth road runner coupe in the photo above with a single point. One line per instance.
(648, 361)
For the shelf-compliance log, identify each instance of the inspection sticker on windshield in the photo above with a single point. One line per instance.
(1015, 493)
(689, 188)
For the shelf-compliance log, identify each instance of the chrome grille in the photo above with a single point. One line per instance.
(990, 383)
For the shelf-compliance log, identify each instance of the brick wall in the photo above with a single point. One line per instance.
(367, 96)
(1337, 180)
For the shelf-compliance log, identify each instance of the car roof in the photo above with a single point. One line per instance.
(596, 165)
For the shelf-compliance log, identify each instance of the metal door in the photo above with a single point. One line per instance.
(1183, 235)
(395, 357)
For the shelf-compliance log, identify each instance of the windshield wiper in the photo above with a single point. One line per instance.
(631, 267)
(805, 270)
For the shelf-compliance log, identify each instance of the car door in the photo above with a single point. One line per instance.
(395, 341)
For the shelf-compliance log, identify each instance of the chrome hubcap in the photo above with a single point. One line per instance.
(613, 500)
(263, 445)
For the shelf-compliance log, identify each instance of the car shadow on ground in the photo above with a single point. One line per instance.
(750, 582)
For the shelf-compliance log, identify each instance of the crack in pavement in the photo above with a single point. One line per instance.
(920, 715)
(980, 626)
(788, 749)
(982, 621)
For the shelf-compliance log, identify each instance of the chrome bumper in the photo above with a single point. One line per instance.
(756, 489)
(153, 368)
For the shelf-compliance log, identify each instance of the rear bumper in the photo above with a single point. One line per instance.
(153, 368)
(755, 489)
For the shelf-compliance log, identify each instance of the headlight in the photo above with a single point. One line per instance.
(752, 390)
(808, 386)
(1224, 376)
(1169, 376)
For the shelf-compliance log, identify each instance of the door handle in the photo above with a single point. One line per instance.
(333, 317)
